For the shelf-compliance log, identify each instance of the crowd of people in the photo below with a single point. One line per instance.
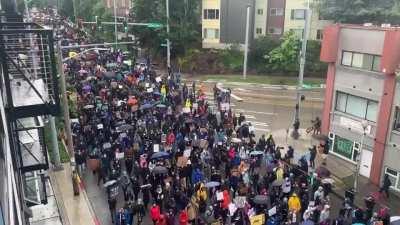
(177, 157)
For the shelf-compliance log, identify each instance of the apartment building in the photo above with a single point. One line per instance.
(295, 15)
(224, 21)
(362, 99)
(123, 6)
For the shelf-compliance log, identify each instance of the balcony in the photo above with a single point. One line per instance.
(29, 85)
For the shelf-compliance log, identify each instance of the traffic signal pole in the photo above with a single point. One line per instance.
(308, 12)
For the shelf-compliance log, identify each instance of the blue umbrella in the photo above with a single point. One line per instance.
(146, 106)
(156, 93)
(159, 155)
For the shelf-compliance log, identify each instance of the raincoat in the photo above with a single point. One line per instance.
(294, 203)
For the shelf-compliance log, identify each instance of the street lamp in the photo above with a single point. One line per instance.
(364, 125)
(246, 42)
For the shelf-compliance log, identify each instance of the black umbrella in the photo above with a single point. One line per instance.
(277, 183)
(160, 170)
(261, 199)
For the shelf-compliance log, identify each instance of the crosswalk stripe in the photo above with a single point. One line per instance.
(255, 112)
(255, 123)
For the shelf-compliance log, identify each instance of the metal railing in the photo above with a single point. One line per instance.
(28, 61)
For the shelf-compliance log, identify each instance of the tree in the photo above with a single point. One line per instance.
(361, 11)
(184, 25)
(313, 63)
(259, 48)
(285, 57)
(67, 9)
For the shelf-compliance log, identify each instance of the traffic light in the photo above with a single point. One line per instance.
(125, 23)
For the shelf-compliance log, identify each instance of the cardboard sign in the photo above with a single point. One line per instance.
(257, 220)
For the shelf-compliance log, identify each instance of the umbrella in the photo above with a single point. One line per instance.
(212, 184)
(109, 183)
(109, 75)
(89, 78)
(254, 153)
(260, 199)
(158, 155)
(395, 220)
(87, 88)
(124, 127)
(146, 106)
(160, 170)
(156, 93)
(236, 140)
(277, 183)
(161, 106)
(88, 106)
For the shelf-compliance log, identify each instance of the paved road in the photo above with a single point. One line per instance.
(267, 111)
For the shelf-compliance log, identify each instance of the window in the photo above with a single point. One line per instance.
(396, 122)
(298, 32)
(394, 177)
(298, 14)
(258, 30)
(319, 34)
(260, 11)
(275, 30)
(211, 14)
(276, 12)
(361, 61)
(357, 106)
(211, 33)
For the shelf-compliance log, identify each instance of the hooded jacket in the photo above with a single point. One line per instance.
(294, 203)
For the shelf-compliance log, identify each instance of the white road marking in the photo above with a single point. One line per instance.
(262, 129)
(249, 111)
(255, 123)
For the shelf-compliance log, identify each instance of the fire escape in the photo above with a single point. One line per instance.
(29, 87)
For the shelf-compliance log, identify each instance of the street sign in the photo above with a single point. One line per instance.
(163, 45)
(154, 25)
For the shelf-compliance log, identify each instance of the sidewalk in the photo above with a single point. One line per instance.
(342, 172)
(77, 208)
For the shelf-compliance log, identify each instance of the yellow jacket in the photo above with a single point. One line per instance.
(279, 173)
(294, 203)
(188, 104)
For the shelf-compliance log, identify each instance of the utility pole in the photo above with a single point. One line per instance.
(364, 125)
(67, 121)
(54, 142)
(246, 42)
(168, 42)
(115, 26)
(308, 12)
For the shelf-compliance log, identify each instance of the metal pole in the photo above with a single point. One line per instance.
(358, 165)
(168, 42)
(246, 42)
(54, 142)
(75, 11)
(302, 66)
(67, 122)
(115, 26)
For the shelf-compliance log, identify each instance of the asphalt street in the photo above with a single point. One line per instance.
(267, 109)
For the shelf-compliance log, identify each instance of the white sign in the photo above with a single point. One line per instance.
(156, 148)
(354, 125)
(149, 90)
(158, 79)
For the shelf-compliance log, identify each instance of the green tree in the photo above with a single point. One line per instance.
(361, 11)
(285, 56)
(67, 9)
(259, 48)
(184, 25)
(313, 63)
